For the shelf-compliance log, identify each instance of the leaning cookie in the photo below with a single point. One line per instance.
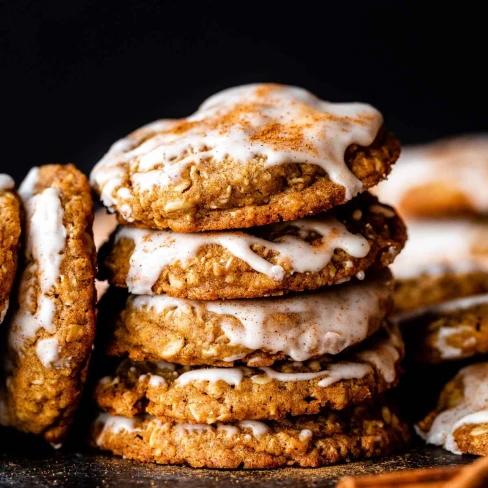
(208, 395)
(10, 230)
(257, 332)
(360, 432)
(249, 156)
(460, 421)
(51, 331)
(449, 331)
(291, 256)
(441, 179)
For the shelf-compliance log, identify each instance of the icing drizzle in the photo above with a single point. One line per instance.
(46, 240)
(6, 182)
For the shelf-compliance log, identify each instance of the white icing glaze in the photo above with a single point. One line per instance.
(47, 351)
(434, 245)
(326, 322)
(27, 187)
(334, 373)
(6, 182)
(156, 380)
(230, 430)
(461, 163)
(473, 409)
(384, 357)
(46, 240)
(447, 351)
(158, 154)
(305, 435)
(232, 376)
(258, 428)
(154, 250)
(344, 371)
(115, 424)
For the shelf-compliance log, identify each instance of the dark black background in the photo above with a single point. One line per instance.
(78, 74)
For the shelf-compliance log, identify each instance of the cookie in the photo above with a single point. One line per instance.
(51, 330)
(257, 332)
(431, 288)
(449, 331)
(460, 421)
(293, 256)
(442, 260)
(249, 156)
(361, 432)
(441, 179)
(10, 230)
(209, 395)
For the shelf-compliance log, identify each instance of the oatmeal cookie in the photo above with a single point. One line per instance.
(291, 256)
(449, 331)
(51, 330)
(443, 259)
(360, 432)
(460, 421)
(249, 156)
(10, 230)
(257, 332)
(441, 179)
(431, 288)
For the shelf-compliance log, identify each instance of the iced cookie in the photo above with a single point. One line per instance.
(360, 432)
(209, 395)
(257, 332)
(249, 156)
(435, 288)
(51, 330)
(10, 230)
(291, 256)
(452, 330)
(441, 179)
(442, 259)
(460, 421)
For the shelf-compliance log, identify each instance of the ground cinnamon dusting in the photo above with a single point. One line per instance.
(283, 136)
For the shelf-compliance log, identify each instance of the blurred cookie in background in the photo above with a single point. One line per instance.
(446, 177)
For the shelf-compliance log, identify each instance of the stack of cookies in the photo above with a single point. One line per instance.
(250, 286)
(442, 288)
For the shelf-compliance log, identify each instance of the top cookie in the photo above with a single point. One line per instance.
(10, 228)
(441, 179)
(249, 156)
(51, 330)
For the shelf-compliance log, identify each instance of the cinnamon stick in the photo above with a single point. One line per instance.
(474, 475)
(431, 477)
